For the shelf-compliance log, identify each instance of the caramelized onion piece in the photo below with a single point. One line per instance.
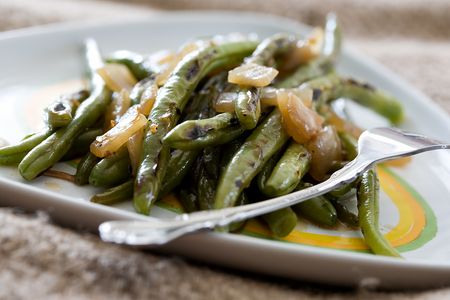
(134, 146)
(341, 125)
(310, 48)
(325, 151)
(117, 136)
(251, 74)
(305, 50)
(299, 121)
(148, 99)
(117, 77)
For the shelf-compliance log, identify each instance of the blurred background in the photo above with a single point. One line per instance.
(411, 37)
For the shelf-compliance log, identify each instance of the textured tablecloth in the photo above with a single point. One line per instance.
(40, 260)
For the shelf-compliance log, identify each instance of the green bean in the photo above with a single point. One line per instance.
(208, 165)
(171, 100)
(188, 200)
(313, 69)
(368, 215)
(349, 144)
(236, 226)
(342, 190)
(51, 150)
(266, 170)
(60, 112)
(270, 47)
(281, 222)
(111, 171)
(324, 89)
(288, 171)
(134, 62)
(206, 171)
(247, 105)
(228, 152)
(366, 95)
(82, 143)
(13, 154)
(115, 194)
(318, 210)
(331, 86)
(181, 161)
(199, 134)
(268, 138)
(84, 168)
(344, 209)
(178, 167)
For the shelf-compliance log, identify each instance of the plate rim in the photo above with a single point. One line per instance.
(254, 18)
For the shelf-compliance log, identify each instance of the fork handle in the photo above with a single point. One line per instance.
(161, 231)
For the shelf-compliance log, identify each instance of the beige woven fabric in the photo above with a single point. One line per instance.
(39, 260)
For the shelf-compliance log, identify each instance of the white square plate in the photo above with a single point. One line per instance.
(41, 62)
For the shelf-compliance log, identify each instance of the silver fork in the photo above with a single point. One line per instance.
(374, 145)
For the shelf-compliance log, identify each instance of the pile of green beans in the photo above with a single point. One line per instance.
(213, 160)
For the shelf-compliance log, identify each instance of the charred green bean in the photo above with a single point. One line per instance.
(115, 194)
(199, 134)
(171, 100)
(13, 154)
(368, 215)
(288, 171)
(60, 112)
(318, 210)
(281, 222)
(52, 149)
(111, 171)
(84, 168)
(268, 138)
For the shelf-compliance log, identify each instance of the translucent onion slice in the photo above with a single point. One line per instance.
(325, 151)
(160, 58)
(165, 71)
(310, 48)
(148, 99)
(305, 50)
(299, 121)
(117, 77)
(251, 74)
(122, 104)
(134, 146)
(112, 140)
(341, 124)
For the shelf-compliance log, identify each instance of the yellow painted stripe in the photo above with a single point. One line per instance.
(411, 222)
